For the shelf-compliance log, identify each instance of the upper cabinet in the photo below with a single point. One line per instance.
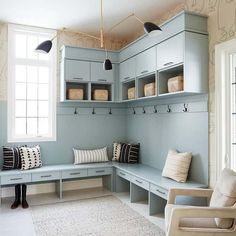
(127, 69)
(77, 70)
(98, 74)
(146, 62)
(170, 52)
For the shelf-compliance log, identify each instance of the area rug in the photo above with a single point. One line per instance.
(103, 216)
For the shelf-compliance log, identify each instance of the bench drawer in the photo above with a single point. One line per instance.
(70, 174)
(15, 179)
(140, 182)
(157, 190)
(123, 175)
(46, 176)
(100, 171)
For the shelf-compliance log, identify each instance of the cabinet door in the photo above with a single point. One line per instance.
(146, 62)
(98, 74)
(170, 52)
(77, 70)
(127, 69)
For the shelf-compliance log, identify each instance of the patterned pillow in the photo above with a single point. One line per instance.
(30, 157)
(129, 153)
(116, 151)
(89, 156)
(11, 158)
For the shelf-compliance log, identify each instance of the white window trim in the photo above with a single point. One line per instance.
(10, 107)
(223, 54)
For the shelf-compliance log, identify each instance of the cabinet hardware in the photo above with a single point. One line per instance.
(140, 182)
(78, 78)
(126, 78)
(100, 171)
(102, 80)
(16, 178)
(76, 173)
(168, 63)
(122, 174)
(144, 71)
(46, 176)
(185, 108)
(168, 109)
(160, 191)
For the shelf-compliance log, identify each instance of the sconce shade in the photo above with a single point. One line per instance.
(152, 29)
(44, 47)
(107, 65)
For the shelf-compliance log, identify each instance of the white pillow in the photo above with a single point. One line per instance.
(30, 157)
(89, 156)
(177, 165)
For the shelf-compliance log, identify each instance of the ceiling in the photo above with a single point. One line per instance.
(83, 15)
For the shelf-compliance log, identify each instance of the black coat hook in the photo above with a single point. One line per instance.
(168, 109)
(185, 108)
(134, 112)
(75, 111)
(93, 112)
(155, 109)
(110, 113)
(144, 110)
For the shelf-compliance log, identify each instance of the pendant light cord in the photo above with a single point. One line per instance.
(101, 26)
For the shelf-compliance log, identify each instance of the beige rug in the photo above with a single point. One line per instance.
(104, 216)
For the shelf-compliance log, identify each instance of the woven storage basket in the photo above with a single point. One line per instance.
(149, 89)
(100, 94)
(175, 84)
(131, 93)
(75, 94)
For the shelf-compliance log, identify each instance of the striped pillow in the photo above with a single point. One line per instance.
(129, 153)
(116, 151)
(177, 165)
(11, 158)
(89, 156)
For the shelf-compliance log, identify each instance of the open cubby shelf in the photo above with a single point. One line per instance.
(77, 85)
(144, 81)
(97, 86)
(125, 86)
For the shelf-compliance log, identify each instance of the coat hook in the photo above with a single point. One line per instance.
(155, 109)
(134, 112)
(110, 113)
(168, 109)
(185, 108)
(93, 112)
(75, 112)
(144, 110)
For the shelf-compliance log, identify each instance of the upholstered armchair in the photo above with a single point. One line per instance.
(219, 218)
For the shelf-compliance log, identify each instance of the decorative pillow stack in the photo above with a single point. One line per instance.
(177, 165)
(89, 156)
(126, 152)
(21, 158)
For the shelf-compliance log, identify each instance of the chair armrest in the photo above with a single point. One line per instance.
(194, 192)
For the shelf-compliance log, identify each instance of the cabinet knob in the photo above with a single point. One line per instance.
(144, 72)
(169, 63)
(102, 80)
(126, 78)
(78, 78)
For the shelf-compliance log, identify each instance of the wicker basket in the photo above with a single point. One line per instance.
(100, 95)
(175, 84)
(131, 93)
(149, 89)
(75, 94)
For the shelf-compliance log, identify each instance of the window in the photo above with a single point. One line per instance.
(226, 105)
(31, 86)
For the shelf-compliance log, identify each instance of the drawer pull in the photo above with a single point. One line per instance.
(102, 80)
(126, 78)
(169, 63)
(16, 179)
(78, 78)
(140, 182)
(160, 191)
(121, 173)
(76, 173)
(46, 176)
(100, 171)
(145, 71)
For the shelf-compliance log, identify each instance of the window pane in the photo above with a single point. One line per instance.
(32, 74)
(43, 56)
(32, 91)
(20, 73)
(31, 45)
(32, 109)
(32, 126)
(43, 109)
(20, 91)
(43, 74)
(20, 108)
(20, 126)
(43, 91)
(43, 126)
(20, 46)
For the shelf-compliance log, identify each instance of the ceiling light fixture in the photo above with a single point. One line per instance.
(149, 28)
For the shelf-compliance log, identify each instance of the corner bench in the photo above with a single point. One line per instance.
(143, 182)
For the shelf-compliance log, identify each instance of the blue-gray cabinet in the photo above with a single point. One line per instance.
(98, 74)
(127, 69)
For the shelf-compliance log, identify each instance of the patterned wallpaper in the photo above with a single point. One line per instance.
(221, 27)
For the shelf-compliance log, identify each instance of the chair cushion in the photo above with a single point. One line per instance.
(188, 222)
(224, 195)
(177, 165)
